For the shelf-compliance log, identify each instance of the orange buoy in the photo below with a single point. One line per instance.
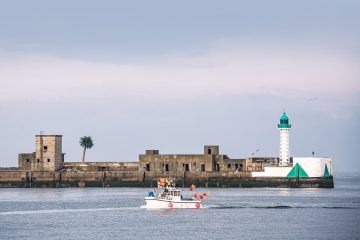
(197, 205)
(170, 205)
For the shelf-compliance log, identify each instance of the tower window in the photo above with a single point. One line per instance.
(203, 167)
(27, 160)
(38, 160)
(48, 159)
(45, 148)
(229, 165)
(186, 168)
(209, 150)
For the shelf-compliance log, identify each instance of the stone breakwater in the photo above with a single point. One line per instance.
(22, 179)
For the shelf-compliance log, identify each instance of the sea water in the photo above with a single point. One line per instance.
(231, 213)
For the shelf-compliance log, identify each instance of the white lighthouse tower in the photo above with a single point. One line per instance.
(284, 128)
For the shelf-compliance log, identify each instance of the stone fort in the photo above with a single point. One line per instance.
(47, 167)
(48, 156)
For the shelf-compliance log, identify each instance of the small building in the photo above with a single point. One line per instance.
(258, 163)
(209, 161)
(48, 155)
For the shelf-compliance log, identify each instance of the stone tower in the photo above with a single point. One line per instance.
(284, 128)
(48, 155)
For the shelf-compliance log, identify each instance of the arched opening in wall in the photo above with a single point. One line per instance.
(48, 159)
(27, 160)
(38, 160)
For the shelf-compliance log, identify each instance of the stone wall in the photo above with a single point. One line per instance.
(210, 161)
(26, 161)
(145, 179)
(258, 163)
(176, 162)
(100, 166)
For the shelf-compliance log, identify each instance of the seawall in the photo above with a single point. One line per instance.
(21, 179)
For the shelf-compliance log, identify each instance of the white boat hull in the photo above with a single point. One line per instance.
(152, 202)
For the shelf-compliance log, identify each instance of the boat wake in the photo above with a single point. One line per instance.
(278, 207)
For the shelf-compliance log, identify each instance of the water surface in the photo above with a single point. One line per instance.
(234, 213)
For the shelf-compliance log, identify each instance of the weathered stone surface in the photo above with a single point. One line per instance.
(48, 155)
(143, 179)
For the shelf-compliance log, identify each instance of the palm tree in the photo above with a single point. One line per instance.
(87, 143)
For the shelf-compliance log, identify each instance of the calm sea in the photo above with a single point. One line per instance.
(232, 213)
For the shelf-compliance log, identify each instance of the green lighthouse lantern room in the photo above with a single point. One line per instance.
(284, 121)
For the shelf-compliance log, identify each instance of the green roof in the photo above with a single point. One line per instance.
(284, 121)
(284, 117)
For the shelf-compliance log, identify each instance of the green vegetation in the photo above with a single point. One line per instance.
(87, 143)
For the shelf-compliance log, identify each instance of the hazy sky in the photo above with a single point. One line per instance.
(139, 75)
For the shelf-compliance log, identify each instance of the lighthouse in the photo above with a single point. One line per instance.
(284, 128)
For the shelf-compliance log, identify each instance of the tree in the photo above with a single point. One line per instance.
(86, 142)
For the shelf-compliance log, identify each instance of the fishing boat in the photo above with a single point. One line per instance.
(169, 196)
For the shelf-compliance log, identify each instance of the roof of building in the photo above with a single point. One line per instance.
(284, 121)
(48, 135)
(284, 117)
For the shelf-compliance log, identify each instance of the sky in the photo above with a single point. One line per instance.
(176, 76)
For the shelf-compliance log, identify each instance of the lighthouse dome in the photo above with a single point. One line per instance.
(284, 117)
(284, 121)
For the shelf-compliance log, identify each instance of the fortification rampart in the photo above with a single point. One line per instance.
(144, 179)
(46, 168)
